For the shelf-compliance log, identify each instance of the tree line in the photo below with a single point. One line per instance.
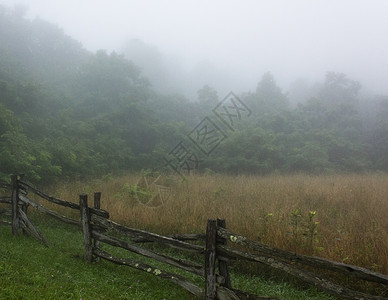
(67, 113)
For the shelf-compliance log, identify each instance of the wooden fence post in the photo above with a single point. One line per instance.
(222, 262)
(85, 222)
(97, 200)
(210, 260)
(24, 205)
(97, 204)
(15, 200)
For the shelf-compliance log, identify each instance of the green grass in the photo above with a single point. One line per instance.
(29, 270)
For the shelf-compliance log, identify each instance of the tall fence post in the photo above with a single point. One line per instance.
(15, 204)
(97, 204)
(210, 260)
(85, 221)
(223, 262)
(24, 205)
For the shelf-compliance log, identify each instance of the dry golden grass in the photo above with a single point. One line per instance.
(350, 225)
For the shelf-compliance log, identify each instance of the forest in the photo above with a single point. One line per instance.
(67, 113)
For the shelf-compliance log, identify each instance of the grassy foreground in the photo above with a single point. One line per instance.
(340, 217)
(29, 270)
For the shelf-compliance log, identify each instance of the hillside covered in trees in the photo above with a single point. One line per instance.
(66, 112)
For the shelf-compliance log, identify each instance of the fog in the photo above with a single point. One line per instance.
(229, 45)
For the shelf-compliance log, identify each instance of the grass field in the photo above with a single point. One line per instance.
(29, 270)
(340, 217)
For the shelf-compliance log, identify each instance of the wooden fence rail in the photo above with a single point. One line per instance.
(306, 276)
(216, 249)
(64, 203)
(6, 200)
(19, 202)
(142, 234)
(316, 262)
(4, 185)
(49, 212)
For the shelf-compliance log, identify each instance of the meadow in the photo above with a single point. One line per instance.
(339, 217)
(30, 270)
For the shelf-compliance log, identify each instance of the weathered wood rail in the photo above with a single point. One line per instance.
(4, 185)
(19, 202)
(214, 253)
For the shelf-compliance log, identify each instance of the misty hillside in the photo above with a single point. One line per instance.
(68, 112)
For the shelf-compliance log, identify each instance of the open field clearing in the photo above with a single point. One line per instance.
(340, 217)
(29, 270)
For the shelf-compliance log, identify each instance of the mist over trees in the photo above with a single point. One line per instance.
(168, 75)
(66, 112)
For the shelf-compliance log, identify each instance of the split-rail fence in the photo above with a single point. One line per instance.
(217, 248)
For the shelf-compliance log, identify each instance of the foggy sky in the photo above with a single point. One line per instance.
(241, 39)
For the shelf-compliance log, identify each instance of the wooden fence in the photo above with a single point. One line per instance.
(216, 251)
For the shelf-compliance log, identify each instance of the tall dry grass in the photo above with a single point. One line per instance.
(340, 217)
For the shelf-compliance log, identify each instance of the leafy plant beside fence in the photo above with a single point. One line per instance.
(217, 250)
